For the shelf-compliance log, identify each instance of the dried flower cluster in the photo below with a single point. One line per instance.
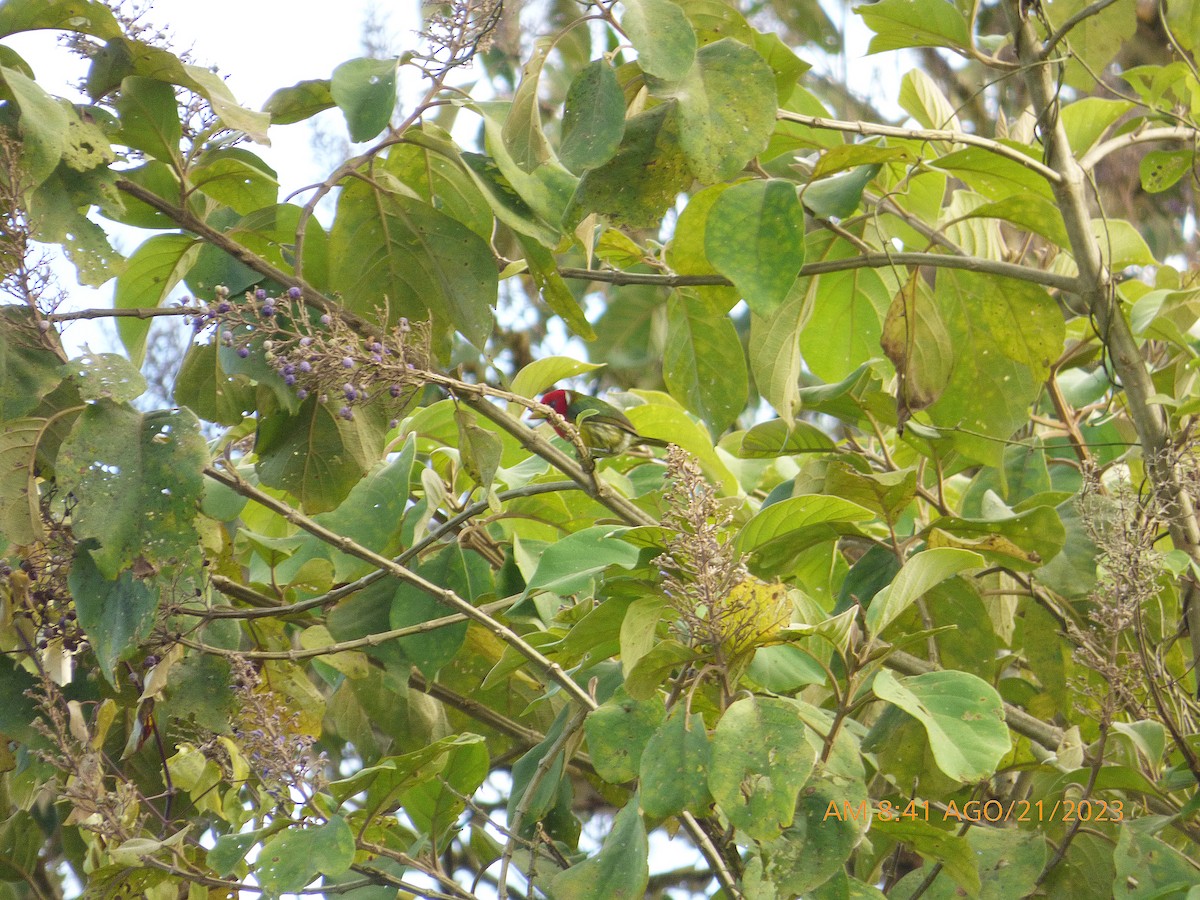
(1124, 527)
(454, 32)
(720, 606)
(269, 736)
(318, 354)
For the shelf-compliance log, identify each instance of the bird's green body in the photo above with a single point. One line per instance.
(604, 429)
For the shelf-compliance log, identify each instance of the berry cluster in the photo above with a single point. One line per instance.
(317, 354)
(41, 601)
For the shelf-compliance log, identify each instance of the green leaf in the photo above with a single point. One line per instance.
(662, 36)
(918, 575)
(755, 237)
(1030, 211)
(208, 390)
(106, 376)
(1121, 245)
(569, 565)
(772, 439)
(775, 361)
(1087, 119)
(760, 761)
(547, 371)
(479, 450)
(20, 509)
(593, 117)
(1020, 541)
(789, 519)
(703, 363)
(293, 858)
(995, 177)
(643, 679)
(365, 91)
(845, 321)
(461, 571)
(817, 847)
(386, 245)
(229, 850)
(963, 717)
(838, 196)
(236, 178)
(149, 118)
(620, 871)
(522, 132)
(137, 480)
(923, 99)
(543, 269)
(1096, 38)
(430, 164)
(153, 271)
(27, 372)
(642, 179)
(674, 769)
(43, 125)
(371, 515)
(117, 615)
(1001, 336)
(82, 16)
(314, 454)
(937, 844)
(916, 340)
(727, 105)
(914, 23)
(1161, 169)
(301, 101)
(617, 733)
(546, 191)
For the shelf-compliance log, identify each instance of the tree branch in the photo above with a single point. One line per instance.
(865, 261)
(1097, 291)
(923, 134)
(552, 670)
(1177, 133)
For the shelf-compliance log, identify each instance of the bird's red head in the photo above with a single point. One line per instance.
(557, 400)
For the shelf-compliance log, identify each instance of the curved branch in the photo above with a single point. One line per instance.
(865, 261)
(1142, 136)
(186, 220)
(924, 134)
(552, 670)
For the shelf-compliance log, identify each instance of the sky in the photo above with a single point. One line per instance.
(258, 46)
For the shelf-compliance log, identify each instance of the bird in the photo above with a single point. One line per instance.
(604, 429)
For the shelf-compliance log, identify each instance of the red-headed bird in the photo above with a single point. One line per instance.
(604, 429)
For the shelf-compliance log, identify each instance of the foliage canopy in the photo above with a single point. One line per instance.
(337, 617)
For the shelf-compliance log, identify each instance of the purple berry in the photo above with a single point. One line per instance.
(302, 394)
(268, 309)
(350, 392)
(223, 307)
(305, 366)
(294, 293)
(289, 369)
(394, 390)
(347, 362)
(393, 423)
(289, 380)
(325, 319)
(305, 342)
(346, 413)
(260, 294)
(243, 352)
